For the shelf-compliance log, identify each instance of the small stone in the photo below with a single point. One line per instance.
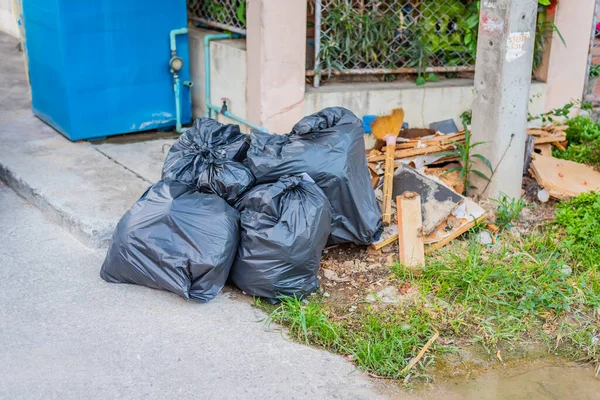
(388, 249)
(375, 265)
(325, 294)
(389, 261)
(348, 264)
(329, 274)
(566, 270)
(371, 259)
(543, 195)
(352, 308)
(484, 238)
(514, 232)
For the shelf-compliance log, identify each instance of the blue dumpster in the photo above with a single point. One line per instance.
(105, 67)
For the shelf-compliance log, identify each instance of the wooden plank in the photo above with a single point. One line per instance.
(550, 139)
(414, 152)
(563, 178)
(411, 249)
(545, 149)
(456, 233)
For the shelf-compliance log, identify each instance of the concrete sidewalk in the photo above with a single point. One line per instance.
(67, 334)
(83, 187)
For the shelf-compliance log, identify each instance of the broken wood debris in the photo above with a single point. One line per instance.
(564, 179)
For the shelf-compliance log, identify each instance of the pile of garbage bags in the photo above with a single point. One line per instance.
(257, 209)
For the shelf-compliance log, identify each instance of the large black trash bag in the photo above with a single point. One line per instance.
(284, 228)
(329, 146)
(210, 155)
(177, 239)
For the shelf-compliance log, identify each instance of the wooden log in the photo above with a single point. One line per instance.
(410, 231)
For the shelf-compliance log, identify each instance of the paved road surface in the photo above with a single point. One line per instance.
(67, 334)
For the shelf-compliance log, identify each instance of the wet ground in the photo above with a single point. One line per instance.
(546, 379)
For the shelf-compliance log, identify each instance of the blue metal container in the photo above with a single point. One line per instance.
(101, 67)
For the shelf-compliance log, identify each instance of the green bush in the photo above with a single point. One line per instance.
(582, 130)
(583, 135)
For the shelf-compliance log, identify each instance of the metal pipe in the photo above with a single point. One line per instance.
(207, 40)
(211, 107)
(173, 34)
(218, 25)
(318, 9)
(236, 118)
(177, 84)
(177, 103)
(382, 71)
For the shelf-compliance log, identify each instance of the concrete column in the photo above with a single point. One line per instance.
(502, 80)
(567, 66)
(276, 57)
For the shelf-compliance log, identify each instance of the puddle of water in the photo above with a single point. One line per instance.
(537, 380)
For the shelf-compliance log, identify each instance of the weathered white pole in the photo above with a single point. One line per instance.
(502, 79)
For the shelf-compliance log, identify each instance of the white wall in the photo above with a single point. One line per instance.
(8, 20)
(227, 70)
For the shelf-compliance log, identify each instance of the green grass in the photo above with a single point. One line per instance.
(542, 288)
(508, 209)
(583, 135)
(381, 341)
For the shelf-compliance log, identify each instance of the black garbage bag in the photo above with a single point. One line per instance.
(284, 228)
(210, 155)
(329, 146)
(177, 239)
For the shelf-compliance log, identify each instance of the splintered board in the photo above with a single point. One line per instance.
(563, 178)
(437, 200)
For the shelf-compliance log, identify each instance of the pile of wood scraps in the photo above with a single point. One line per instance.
(416, 152)
(562, 179)
(444, 214)
(547, 137)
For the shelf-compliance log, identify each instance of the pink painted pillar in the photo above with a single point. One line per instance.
(567, 66)
(276, 58)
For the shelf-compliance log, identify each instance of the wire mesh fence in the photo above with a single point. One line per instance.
(394, 36)
(228, 15)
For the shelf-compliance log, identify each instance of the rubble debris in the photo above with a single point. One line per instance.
(463, 218)
(411, 249)
(437, 200)
(451, 179)
(411, 133)
(484, 238)
(420, 146)
(564, 179)
(389, 235)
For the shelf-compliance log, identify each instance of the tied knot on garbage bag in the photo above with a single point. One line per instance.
(209, 155)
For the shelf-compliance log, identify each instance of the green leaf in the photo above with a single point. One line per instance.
(433, 78)
(485, 160)
(481, 174)
(468, 38)
(420, 81)
(453, 169)
(555, 29)
(544, 2)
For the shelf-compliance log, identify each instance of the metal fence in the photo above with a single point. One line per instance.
(229, 15)
(393, 36)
